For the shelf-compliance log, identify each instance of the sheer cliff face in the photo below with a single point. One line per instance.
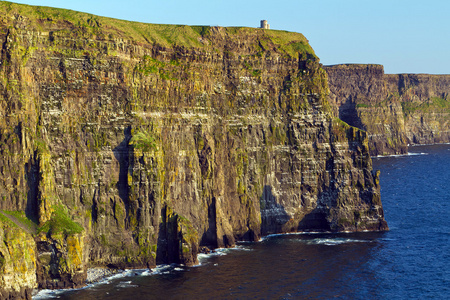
(131, 153)
(426, 106)
(395, 110)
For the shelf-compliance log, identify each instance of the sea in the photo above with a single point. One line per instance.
(411, 261)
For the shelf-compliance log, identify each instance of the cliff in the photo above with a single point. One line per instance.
(127, 144)
(395, 110)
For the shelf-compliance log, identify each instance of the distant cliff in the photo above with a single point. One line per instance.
(395, 110)
(128, 144)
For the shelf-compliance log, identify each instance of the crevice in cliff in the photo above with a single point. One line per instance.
(62, 68)
(32, 179)
(209, 237)
(6, 54)
(122, 154)
(166, 250)
(349, 114)
(177, 239)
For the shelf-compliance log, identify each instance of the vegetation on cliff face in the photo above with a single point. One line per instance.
(432, 105)
(396, 110)
(134, 144)
(143, 141)
(60, 222)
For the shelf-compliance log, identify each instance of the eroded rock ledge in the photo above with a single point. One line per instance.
(128, 145)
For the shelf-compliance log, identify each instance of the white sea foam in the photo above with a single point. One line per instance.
(47, 294)
(401, 155)
(242, 248)
(387, 239)
(432, 144)
(55, 294)
(333, 241)
(162, 269)
(126, 284)
(291, 233)
(203, 257)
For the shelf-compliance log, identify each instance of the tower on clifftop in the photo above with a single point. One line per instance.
(264, 24)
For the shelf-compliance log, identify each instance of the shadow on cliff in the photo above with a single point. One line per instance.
(209, 237)
(273, 214)
(316, 220)
(123, 156)
(349, 114)
(32, 178)
(275, 219)
(167, 249)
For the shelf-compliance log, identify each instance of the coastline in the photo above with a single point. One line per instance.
(94, 276)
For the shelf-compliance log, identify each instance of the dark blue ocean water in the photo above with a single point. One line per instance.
(411, 261)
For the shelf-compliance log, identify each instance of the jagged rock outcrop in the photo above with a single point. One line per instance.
(134, 144)
(395, 110)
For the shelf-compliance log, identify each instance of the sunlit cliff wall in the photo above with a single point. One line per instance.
(395, 110)
(127, 144)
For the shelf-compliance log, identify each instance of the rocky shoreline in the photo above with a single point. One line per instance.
(94, 275)
(98, 274)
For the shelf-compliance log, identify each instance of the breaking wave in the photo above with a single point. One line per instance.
(333, 241)
(203, 257)
(401, 155)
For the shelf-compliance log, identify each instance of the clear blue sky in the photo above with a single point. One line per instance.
(406, 36)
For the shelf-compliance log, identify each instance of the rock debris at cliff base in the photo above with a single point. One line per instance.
(94, 275)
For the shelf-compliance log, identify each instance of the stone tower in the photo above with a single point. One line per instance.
(264, 24)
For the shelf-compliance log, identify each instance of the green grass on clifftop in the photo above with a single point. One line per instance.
(41, 18)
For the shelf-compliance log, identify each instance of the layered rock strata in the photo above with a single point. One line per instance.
(129, 145)
(395, 110)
